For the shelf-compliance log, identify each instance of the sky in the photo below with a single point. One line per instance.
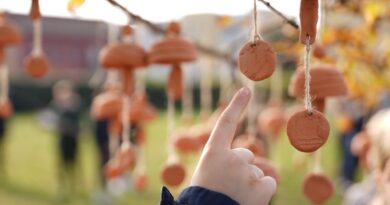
(153, 10)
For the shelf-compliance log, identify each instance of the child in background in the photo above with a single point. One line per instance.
(66, 105)
(226, 176)
(374, 146)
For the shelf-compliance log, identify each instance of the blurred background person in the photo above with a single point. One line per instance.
(67, 107)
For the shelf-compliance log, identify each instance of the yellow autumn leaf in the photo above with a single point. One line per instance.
(372, 10)
(74, 4)
(224, 21)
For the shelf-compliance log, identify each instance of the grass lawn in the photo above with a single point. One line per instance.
(30, 176)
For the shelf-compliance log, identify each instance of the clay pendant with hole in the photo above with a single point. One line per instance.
(318, 188)
(257, 60)
(307, 132)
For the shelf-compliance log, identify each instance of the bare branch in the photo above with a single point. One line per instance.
(157, 29)
(273, 9)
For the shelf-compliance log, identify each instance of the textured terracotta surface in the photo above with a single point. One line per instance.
(6, 109)
(308, 17)
(173, 49)
(318, 188)
(175, 83)
(173, 173)
(36, 66)
(326, 81)
(257, 60)
(319, 104)
(123, 55)
(35, 14)
(268, 168)
(308, 132)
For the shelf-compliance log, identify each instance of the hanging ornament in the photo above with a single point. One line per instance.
(307, 130)
(257, 59)
(124, 56)
(318, 188)
(326, 81)
(9, 35)
(107, 104)
(36, 63)
(173, 50)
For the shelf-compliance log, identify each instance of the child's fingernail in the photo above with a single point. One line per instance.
(245, 92)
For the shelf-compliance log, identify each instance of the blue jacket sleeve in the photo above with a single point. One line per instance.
(196, 196)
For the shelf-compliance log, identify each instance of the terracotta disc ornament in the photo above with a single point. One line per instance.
(257, 60)
(173, 172)
(36, 63)
(317, 188)
(308, 131)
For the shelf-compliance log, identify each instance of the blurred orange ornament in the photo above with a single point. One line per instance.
(173, 172)
(318, 188)
(106, 105)
(127, 156)
(6, 109)
(140, 181)
(173, 50)
(36, 66)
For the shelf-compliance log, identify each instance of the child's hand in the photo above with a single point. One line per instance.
(231, 171)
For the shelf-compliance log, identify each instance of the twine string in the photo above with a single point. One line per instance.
(37, 38)
(256, 35)
(126, 119)
(308, 98)
(317, 162)
(170, 124)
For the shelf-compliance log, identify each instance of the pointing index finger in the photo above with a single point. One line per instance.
(223, 132)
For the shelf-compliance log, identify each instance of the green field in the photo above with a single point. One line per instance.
(30, 176)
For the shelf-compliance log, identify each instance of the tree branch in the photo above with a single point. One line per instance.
(273, 9)
(157, 29)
